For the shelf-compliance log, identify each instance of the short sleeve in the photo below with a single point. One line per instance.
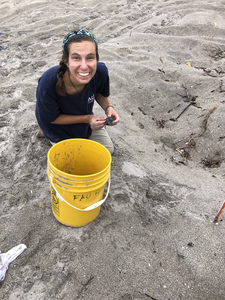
(48, 107)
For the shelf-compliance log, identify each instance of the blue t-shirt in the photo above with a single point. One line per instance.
(50, 105)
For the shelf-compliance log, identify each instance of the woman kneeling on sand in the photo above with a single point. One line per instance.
(66, 94)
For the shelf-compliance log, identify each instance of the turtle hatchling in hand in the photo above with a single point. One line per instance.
(109, 121)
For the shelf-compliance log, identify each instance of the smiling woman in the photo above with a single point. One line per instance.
(66, 93)
(82, 65)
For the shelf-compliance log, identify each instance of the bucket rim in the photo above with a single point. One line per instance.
(81, 176)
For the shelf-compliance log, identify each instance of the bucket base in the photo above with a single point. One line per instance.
(71, 216)
(73, 224)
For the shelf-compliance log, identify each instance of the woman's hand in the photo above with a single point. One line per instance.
(96, 123)
(111, 113)
(106, 106)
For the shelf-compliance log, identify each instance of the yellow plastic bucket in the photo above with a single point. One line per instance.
(78, 170)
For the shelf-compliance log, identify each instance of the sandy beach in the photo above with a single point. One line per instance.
(155, 237)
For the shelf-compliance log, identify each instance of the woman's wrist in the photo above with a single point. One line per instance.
(89, 118)
(108, 107)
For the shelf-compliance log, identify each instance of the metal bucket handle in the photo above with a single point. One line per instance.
(93, 206)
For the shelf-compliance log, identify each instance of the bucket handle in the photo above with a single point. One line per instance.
(93, 206)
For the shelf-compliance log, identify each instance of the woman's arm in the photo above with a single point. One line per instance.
(71, 119)
(104, 102)
(95, 122)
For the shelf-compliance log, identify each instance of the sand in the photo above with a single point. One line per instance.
(155, 237)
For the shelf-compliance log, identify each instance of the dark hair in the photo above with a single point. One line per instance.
(60, 86)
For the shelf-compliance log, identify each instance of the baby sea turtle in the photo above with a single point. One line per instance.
(109, 121)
